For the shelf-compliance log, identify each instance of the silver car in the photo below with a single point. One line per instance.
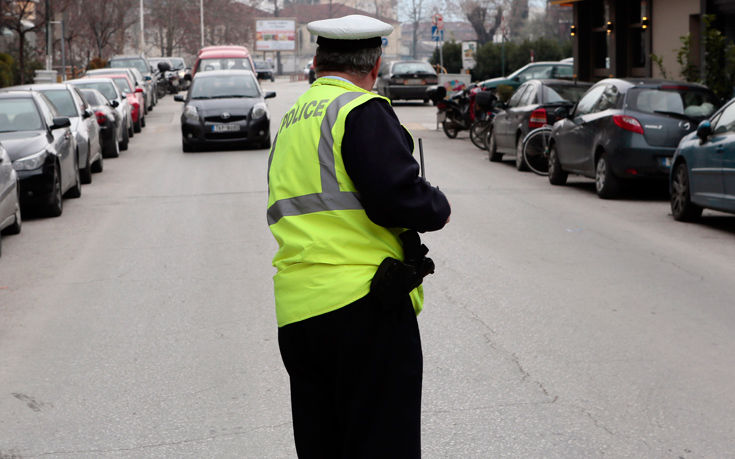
(119, 102)
(10, 221)
(70, 103)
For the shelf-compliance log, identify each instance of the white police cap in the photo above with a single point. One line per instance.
(350, 32)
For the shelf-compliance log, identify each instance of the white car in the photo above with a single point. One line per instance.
(10, 221)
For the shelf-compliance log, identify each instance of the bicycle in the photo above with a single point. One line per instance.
(536, 150)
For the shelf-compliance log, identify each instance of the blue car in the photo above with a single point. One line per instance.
(703, 167)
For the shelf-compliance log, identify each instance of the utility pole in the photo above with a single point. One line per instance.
(201, 21)
(49, 56)
(142, 29)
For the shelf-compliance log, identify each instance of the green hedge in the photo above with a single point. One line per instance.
(490, 56)
(6, 70)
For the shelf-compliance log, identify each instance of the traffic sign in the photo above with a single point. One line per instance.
(438, 21)
(384, 42)
(437, 34)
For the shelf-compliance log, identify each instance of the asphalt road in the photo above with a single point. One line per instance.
(141, 322)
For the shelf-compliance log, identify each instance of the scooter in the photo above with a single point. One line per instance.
(455, 113)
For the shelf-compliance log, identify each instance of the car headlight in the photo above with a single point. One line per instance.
(191, 113)
(31, 162)
(259, 111)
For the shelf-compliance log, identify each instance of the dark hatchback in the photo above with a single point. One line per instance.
(703, 170)
(626, 129)
(265, 71)
(405, 80)
(108, 119)
(42, 149)
(225, 107)
(533, 105)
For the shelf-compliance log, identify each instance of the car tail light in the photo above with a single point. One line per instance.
(538, 118)
(628, 123)
(101, 118)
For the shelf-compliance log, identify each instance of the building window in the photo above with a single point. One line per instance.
(637, 34)
(599, 14)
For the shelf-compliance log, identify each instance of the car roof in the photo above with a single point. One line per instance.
(87, 79)
(651, 83)
(39, 86)
(565, 82)
(207, 49)
(127, 56)
(223, 53)
(15, 94)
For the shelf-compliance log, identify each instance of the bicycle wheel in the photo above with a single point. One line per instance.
(477, 133)
(535, 150)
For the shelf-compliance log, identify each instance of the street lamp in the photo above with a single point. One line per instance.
(201, 21)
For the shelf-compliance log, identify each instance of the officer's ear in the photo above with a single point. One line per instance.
(375, 69)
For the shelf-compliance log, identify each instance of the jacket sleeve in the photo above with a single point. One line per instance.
(376, 151)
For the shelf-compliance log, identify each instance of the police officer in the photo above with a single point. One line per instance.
(343, 189)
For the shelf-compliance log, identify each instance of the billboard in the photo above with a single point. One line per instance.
(275, 34)
(469, 48)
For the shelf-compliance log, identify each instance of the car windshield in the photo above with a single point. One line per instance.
(106, 89)
(229, 63)
(19, 115)
(134, 63)
(62, 100)
(91, 97)
(123, 85)
(563, 93)
(533, 72)
(684, 101)
(224, 86)
(177, 63)
(413, 67)
(261, 65)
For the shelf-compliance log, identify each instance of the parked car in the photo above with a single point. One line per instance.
(534, 70)
(265, 70)
(107, 119)
(703, 168)
(42, 149)
(134, 76)
(405, 80)
(70, 103)
(229, 58)
(134, 97)
(118, 102)
(533, 105)
(10, 218)
(178, 65)
(626, 129)
(225, 107)
(139, 63)
(221, 48)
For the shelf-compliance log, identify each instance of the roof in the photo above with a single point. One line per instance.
(307, 13)
(15, 93)
(38, 87)
(230, 52)
(214, 73)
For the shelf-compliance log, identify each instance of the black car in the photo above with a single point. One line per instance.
(533, 105)
(69, 103)
(107, 118)
(42, 149)
(141, 64)
(117, 100)
(225, 107)
(626, 129)
(405, 80)
(265, 71)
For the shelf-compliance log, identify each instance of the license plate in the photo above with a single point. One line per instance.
(412, 81)
(441, 116)
(666, 162)
(225, 127)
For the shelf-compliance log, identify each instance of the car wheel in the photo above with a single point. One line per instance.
(186, 147)
(86, 173)
(449, 130)
(142, 122)
(126, 138)
(112, 150)
(520, 162)
(557, 176)
(55, 205)
(137, 125)
(606, 184)
(76, 190)
(15, 227)
(98, 166)
(682, 207)
(492, 148)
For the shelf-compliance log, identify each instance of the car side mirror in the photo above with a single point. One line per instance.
(180, 98)
(114, 103)
(704, 130)
(87, 113)
(138, 89)
(60, 122)
(270, 95)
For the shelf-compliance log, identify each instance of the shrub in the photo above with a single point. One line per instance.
(6, 70)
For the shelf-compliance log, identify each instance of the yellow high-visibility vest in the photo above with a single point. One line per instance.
(329, 249)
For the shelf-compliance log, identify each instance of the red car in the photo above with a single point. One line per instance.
(224, 59)
(134, 96)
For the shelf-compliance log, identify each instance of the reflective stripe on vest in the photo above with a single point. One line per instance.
(331, 198)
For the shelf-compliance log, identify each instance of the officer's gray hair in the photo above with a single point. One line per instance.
(358, 61)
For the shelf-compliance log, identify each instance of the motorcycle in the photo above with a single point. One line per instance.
(167, 81)
(484, 114)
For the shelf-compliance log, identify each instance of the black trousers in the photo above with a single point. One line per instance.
(356, 381)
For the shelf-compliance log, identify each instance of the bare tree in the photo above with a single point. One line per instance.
(485, 16)
(416, 13)
(17, 16)
(106, 20)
